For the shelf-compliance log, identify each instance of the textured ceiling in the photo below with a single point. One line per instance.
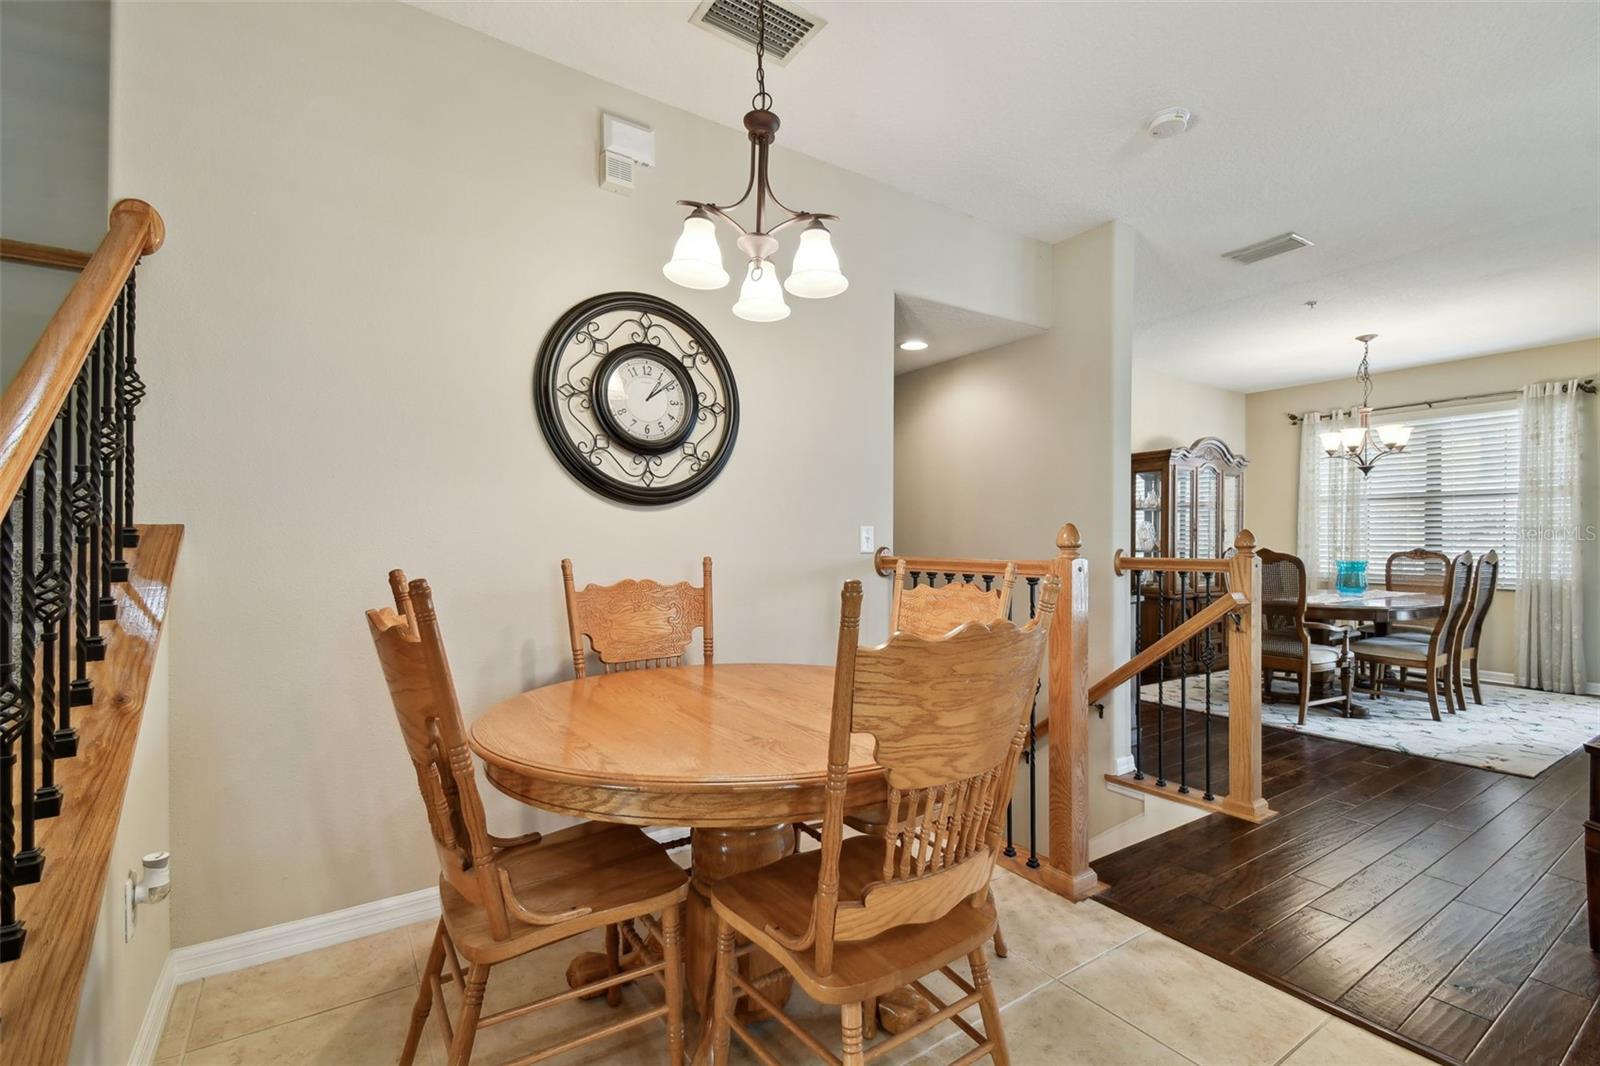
(1445, 157)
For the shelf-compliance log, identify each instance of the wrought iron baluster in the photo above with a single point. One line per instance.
(966, 579)
(1010, 851)
(91, 646)
(13, 722)
(916, 576)
(1033, 748)
(949, 578)
(1161, 682)
(133, 391)
(47, 605)
(988, 582)
(1135, 681)
(1209, 660)
(1184, 613)
(108, 447)
(27, 865)
(64, 741)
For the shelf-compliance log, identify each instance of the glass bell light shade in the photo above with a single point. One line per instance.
(697, 259)
(815, 273)
(1353, 437)
(1332, 442)
(1395, 437)
(761, 297)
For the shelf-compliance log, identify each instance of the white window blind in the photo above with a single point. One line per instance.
(1453, 489)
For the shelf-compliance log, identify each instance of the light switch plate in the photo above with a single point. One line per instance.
(869, 540)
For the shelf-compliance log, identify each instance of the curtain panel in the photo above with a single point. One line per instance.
(1550, 534)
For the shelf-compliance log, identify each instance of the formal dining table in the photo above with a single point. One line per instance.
(736, 752)
(1378, 606)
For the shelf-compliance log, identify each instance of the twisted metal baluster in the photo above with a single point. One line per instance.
(1209, 661)
(1184, 614)
(1033, 754)
(91, 646)
(1161, 684)
(133, 391)
(1010, 851)
(28, 864)
(1134, 682)
(13, 721)
(47, 604)
(108, 447)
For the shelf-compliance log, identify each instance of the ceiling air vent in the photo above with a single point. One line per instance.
(787, 27)
(1254, 253)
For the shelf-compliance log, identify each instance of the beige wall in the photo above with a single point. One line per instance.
(373, 216)
(995, 450)
(122, 975)
(1272, 500)
(1169, 412)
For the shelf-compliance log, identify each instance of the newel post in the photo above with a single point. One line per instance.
(1244, 799)
(1067, 866)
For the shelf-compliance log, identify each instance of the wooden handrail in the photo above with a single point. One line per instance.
(1191, 627)
(45, 255)
(1123, 564)
(36, 394)
(885, 563)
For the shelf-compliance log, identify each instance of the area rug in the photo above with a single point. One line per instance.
(1515, 731)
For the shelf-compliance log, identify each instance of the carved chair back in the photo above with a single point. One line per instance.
(1484, 580)
(1457, 604)
(411, 652)
(1283, 595)
(1417, 570)
(634, 625)
(947, 716)
(928, 612)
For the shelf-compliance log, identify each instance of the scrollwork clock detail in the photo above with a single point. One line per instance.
(636, 399)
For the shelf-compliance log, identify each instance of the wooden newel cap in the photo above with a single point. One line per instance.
(156, 235)
(1245, 541)
(1068, 540)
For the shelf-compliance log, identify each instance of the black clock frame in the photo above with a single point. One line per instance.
(581, 318)
(602, 374)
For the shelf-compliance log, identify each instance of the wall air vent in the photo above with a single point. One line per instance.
(1254, 253)
(787, 26)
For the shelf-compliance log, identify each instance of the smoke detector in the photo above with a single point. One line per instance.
(788, 27)
(1170, 123)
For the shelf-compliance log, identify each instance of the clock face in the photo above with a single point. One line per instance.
(646, 401)
(636, 399)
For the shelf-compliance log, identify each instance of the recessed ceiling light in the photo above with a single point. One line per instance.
(913, 345)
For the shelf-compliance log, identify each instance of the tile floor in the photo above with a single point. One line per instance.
(1082, 985)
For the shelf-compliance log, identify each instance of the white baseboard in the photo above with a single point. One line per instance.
(1497, 677)
(307, 934)
(148, 1041)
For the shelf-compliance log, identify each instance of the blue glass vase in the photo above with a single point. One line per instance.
(1352, 577)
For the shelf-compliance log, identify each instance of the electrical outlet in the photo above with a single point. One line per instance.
(868, 540)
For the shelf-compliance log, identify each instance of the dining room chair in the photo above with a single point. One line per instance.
(1432, 657)
(1469, 630)
(635, 625)
(1286, 644)
(1415, 570)
(861, 916)
(501, 898)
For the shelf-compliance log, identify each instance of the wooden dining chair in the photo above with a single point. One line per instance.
(1470, 632)
(1415, 570)
(1286, 644)
(1432, 657)
(634, 625)
(501, 898)
(859, 917)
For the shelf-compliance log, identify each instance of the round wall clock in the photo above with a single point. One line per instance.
(635, 398)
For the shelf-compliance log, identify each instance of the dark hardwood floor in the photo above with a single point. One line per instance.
(1442, 903)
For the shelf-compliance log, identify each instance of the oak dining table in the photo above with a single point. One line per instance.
(1378, 606)
(736, 752)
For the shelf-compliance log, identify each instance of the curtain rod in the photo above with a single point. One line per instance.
(1586, 385)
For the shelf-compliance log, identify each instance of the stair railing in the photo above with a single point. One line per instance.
(67, 484)
(1197, 610)
(1062, 864)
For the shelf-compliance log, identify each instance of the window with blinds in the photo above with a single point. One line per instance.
(1453, 489)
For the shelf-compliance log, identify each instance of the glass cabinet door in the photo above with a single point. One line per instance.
(1205, 509)
(1183, 513)
(1232, 510)
(1147, 513)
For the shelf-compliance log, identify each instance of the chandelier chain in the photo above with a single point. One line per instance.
(1364, 375)
(762, 100)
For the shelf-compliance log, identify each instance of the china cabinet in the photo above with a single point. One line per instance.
(1188, 503)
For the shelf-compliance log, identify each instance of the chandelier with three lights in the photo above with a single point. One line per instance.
(1362, 444)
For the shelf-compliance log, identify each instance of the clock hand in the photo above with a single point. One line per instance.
(658, 388)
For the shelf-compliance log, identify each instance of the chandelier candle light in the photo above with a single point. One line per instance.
(697, 258)
(1362, 444)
